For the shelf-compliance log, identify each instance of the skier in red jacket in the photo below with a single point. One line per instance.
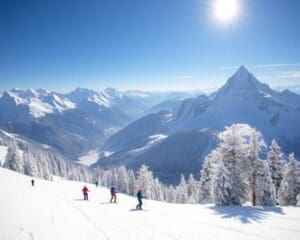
(85, 191)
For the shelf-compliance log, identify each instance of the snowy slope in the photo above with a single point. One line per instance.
(55, 210)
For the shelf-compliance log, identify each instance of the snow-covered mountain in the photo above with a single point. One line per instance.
(80, 95)
(73, 123)
(55, 210)
(243, 99)
(77, 122)
(133, 103)
(19, 104)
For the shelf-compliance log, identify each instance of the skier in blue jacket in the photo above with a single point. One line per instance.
(113, 193)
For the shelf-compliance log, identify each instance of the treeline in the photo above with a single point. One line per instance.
(35, 161)
(232, 174)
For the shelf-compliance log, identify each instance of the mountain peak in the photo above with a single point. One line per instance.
(242, 72)
(242, 68)
(241, 83)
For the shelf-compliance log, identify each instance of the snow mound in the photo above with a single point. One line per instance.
(55, 210)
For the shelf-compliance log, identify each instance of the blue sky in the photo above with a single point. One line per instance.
(149, 44)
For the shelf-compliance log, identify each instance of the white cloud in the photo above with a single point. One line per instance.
(277, 65)
(290, 74)
(273, 65)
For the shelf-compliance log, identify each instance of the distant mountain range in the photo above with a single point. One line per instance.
(171, 132)
(179, 139)
(76, 122)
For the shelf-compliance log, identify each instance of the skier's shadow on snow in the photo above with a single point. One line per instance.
(246, 214)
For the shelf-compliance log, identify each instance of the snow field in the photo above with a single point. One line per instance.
(55, 210)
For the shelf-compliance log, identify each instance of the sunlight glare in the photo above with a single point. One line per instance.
(225, 10)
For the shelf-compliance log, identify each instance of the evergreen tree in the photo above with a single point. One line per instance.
(47, 173)
(132, 183)
(275, 163)
(233, 151)
(182, 191)
(30, 167)
(253, 165)
(158, 192)
(123, 180)
(290, 185)
(13, 159)
(206, 176)
(222, 186)
(145, 181)
(264, 188)
(192, 189)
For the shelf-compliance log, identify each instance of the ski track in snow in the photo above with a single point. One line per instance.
(55, 210)
(97, 228)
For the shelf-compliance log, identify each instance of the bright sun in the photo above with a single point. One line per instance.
(225, 10)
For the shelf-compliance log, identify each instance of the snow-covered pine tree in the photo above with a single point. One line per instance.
(206, 176)
(98, 175)
(170, 194)
(253, 165)
(105, 178)
(30, 167)
(275, 162)
(145, 181)
(112, 177)
(158, 192)
(123, 180)
(290, 185)
(182, 191)
(13, 160)
(61, 164)
(192, 188)
(132, 182)
(264, 188)
(46, 170)
(222, 186)
(233, 151)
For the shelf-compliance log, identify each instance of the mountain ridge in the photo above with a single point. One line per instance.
(242, 99)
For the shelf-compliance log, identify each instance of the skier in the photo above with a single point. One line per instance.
(85, 191)
(32, 182)
(113, 193)
(139, 197)
(96, 183)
